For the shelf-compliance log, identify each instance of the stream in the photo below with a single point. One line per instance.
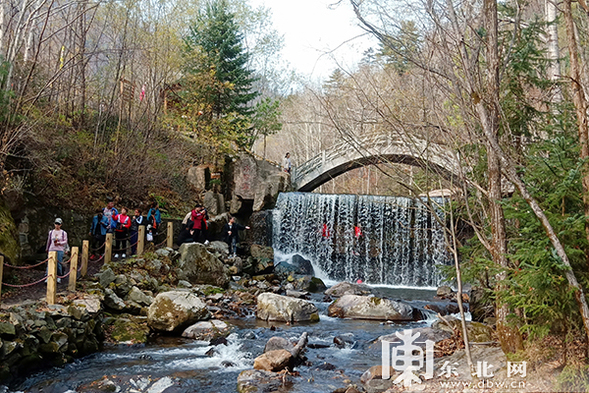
(182, 365)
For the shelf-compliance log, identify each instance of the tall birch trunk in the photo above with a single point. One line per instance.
(552, 49)
(580, 102)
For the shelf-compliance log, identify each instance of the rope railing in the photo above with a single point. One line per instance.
(27, 266)
(99, 248)
(78, 261)
(25, 285)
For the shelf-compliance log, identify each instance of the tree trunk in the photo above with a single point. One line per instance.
(580, 107)
(553, 70)
(511, 173)
(509, 337)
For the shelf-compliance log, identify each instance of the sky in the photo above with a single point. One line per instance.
(318, 36)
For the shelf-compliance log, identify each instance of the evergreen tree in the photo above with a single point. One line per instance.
(214, 49)
(401, 48)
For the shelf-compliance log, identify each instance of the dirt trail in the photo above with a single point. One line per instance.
(19, 296)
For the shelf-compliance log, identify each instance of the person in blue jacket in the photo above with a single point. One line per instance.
(154, 219)
(98, 230)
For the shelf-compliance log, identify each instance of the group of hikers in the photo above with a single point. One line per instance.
(195, 229)
(124, 227)
(126, 231)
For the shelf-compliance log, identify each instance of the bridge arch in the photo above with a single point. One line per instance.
(344, 157)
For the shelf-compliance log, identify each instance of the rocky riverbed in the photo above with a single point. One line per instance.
(197, 320)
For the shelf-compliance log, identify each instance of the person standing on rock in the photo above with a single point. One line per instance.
(204, 228)
(57, 241)
(122, 232)
(197, 216)
(134, 230)
(286, 164)
(231, 232)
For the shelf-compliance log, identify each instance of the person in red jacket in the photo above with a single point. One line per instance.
(198, 216)
(123, 222)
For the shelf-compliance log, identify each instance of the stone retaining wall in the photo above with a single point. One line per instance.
(35, 336)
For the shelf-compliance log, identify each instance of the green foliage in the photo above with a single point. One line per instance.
(525, 72)
(535, 281)
(573, 378)
(217, 43)
(401, 49)
(5, 95)
(265, 120)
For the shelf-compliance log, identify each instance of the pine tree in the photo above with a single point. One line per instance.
(214, 48)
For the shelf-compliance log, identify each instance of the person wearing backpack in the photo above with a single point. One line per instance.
(134, 230)
(123, 222)
(98, 230)
(57, 241)
(154, 219)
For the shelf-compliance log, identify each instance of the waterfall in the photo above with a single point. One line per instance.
(379, 239)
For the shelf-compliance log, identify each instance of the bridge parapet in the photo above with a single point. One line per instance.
(372, 149)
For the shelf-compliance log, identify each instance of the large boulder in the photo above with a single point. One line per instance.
(370, 307)
(138, 296)
(198, 177)
(257, 381)
(266, 192)
(304, 265)
(275, 360)
(262, 252)
(207, 330)
(264, 259)
(346, 288)
(175, 310)
(425, 333)
(198, 266)
(275, 343)
(273, 307)
(308, 283)
(216, 224)
(245, 176)
(477, 332)
(214, 203)
(373, 382)
(130, 330)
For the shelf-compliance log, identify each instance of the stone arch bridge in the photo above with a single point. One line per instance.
(347, 155)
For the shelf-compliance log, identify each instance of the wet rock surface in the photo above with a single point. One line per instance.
(273, 307)
(175, 310)
(370, 307)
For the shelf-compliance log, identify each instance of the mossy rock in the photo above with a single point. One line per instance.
(211, 290)
(128, 330)
(9, 243)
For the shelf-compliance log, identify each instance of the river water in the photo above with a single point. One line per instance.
(397, 244)
(184, 365)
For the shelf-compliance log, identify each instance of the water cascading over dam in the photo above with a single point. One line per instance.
(379, 239)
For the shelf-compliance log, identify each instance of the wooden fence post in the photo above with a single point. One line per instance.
(1, 273)
(141, 240)
(85, 248)
(170, 235)
(51, 277)
(108, 248)
(73, 270)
